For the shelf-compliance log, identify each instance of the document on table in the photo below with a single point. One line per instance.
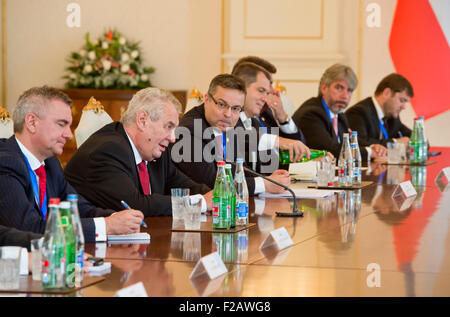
(128, 237)
(306, 170)
(302, 193)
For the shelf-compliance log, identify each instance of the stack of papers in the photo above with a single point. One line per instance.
(140, 236)
(302, 193)
(303, 171)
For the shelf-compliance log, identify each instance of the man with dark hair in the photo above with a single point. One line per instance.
(377, 118)
(257, 82)
(277, 108)
(322, 118)
(214, 126)
(30, 173)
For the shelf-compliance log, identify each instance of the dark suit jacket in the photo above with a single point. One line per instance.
(317, 127)
(270, 122)
(18, 207)
(204, 172)
(14, 237)
(363, 118)
(104, 170)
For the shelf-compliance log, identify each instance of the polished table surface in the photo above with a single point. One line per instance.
(355, 243)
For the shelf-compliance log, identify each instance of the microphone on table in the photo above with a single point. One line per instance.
(295, 212)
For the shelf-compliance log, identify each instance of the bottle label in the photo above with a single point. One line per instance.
(242, 210)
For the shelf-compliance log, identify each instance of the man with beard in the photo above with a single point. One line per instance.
(322, 119)
(377, 118)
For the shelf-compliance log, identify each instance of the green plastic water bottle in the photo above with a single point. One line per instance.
(53, 249)
(232, 195)
(221, 209)
(284, 156)
(70, 238)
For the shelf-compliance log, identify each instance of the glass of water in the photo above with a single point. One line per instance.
(9, 267)
(36, 264)
(323, 172)
(192, 212)
(179, 195)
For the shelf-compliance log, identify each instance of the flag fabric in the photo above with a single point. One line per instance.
(420, 52)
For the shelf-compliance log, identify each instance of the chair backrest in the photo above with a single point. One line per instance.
(195, 99)
(93, 118)
(6, 124)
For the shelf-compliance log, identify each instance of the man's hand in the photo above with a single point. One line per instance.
(274, 102)
(280, 176)
(208, 197)
(124, 222)
(296, 149)
(404, 139)
(378, 151)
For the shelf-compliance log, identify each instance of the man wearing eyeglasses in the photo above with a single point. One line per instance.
(209, 127)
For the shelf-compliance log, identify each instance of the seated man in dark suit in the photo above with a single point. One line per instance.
(322, 118)
(377, 118)
(128, 161)
(218, 115)
(30, 173)
(274, 113)
(257, 82)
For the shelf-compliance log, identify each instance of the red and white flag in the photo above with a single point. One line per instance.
(420, 52)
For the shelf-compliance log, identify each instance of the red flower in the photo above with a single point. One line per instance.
(110, 35)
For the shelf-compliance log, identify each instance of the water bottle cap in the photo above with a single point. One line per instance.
(54, 201)
(221, 163)
(239, 160)
(227, 166)
(355, 132)
(72, 197)
(64, 205)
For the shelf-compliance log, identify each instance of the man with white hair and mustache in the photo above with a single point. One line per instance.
(322, 118)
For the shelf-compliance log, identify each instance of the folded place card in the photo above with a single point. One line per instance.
(443, 178)
(406, 189)
(128, 237)
(280, 237)
(212, 264)
(135, 290)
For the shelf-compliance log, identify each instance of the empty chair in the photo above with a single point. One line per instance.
(6, 124)
(93, 118)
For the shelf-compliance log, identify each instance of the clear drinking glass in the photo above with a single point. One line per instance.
(179, 195)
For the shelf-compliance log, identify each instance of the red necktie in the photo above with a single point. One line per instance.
(335, 126)
(143, 176)
(40, 172)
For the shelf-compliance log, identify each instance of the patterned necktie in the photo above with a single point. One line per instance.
(40, 172)
(143, 176)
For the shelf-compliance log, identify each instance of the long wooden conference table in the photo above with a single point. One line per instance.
(355, 243)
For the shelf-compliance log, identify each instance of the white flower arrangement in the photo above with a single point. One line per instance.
(109, 62)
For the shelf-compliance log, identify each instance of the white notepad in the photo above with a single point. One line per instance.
(302, 193)
(127, 237)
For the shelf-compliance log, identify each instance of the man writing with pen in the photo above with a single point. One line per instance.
(30, 173)
(127, 160)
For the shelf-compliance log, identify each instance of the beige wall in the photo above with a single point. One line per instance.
(181, 39)
(190, 41)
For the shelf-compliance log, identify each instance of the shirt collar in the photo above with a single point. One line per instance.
(34, 162)
(380, 113)
(137, 156)
(245, 120)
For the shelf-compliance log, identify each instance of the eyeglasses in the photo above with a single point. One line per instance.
(224, 106)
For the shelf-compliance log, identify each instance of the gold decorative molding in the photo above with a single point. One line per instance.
(360, 40)
(4, 115)
(94, 105)
(280, 37)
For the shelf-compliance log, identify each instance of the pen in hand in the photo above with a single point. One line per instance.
(128, 207)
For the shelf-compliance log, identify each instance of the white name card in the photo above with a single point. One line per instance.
(443, 178)
(135, 290)
(280, 237)
(212, 264)
(406, 189)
